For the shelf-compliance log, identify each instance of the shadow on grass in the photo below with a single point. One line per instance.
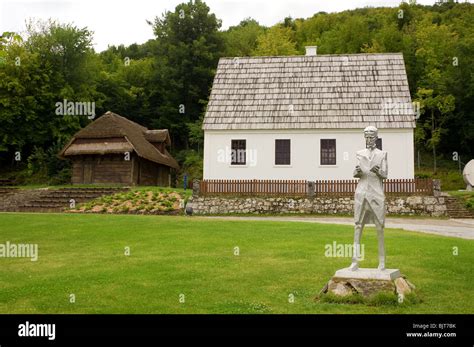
(379, 299)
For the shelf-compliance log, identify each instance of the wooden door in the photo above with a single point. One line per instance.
(88, 172)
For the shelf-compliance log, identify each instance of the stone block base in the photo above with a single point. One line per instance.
(368, 282)
(369, 274)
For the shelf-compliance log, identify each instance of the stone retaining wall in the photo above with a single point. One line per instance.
(412, 205)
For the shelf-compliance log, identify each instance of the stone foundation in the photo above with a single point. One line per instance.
(367, 288)
(409, 206)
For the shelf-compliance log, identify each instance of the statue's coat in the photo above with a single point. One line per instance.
(369, 196)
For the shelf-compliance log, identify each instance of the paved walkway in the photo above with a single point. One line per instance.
(462, 228)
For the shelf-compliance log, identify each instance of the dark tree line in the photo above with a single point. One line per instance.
(165, 82)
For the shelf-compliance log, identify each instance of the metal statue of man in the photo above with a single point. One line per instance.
(369, 200)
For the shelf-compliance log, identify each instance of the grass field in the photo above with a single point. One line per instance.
(169, 256)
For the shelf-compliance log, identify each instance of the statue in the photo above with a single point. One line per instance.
(369, 200)
(369, 208)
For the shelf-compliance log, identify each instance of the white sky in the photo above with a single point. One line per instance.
(124, 21)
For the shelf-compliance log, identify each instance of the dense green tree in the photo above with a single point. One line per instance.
(54, 63)
(165, 82)
(189, 45)
(276, 41)
(241, 40)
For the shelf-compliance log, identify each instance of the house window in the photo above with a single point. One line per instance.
(238, 155)
(378, 143)
(282, 152)
(328, 152)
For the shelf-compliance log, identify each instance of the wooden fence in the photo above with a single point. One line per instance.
(334, 187)
(417, 186)
(254, 187)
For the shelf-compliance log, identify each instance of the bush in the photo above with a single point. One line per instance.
(191, 164)
(450, 179)
(45, 166)
(470, 203)
(167, 204)
(465, 198)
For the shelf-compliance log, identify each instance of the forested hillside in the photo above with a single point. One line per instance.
(165, 82)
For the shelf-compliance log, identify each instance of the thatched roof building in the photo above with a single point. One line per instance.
(113, 149)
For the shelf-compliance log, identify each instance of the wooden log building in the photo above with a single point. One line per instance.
(115, 150)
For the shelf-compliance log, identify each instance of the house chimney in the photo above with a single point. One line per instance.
(311, 50)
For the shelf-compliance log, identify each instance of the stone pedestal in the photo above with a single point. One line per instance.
(367, 282)
(369, 274)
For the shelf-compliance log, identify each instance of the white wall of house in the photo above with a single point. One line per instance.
(305, 154)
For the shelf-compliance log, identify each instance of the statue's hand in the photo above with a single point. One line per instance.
(375, 169)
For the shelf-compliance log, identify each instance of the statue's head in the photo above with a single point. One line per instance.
(371, 136)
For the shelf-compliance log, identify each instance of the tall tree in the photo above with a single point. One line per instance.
(276, 41)
(435, 44)
(189, 45)
(241, 40)
(54, 63)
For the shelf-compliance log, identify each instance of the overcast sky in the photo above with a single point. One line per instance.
(117, 22)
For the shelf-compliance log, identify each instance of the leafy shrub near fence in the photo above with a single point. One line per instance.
(450, 179)
(158, 201)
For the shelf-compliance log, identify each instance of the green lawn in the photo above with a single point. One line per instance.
(84, 255)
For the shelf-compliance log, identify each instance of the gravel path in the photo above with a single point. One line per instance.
(462, 228)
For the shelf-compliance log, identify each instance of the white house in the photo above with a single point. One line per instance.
(302, 117)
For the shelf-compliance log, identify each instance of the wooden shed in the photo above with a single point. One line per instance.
(115, 150)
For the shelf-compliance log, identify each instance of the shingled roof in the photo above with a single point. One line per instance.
(310, 92)
(112, 126)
